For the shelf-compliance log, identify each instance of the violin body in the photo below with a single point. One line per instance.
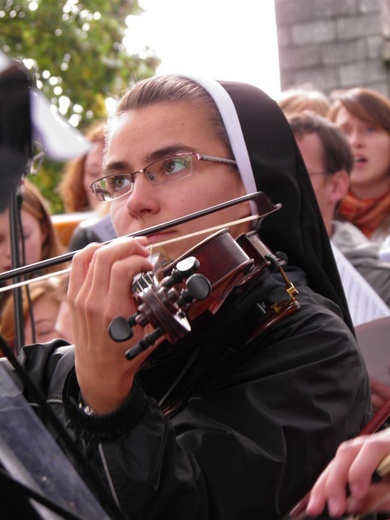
(200, 281)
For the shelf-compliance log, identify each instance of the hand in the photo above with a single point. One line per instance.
(380, 394)
(353, 466)
(99, 290)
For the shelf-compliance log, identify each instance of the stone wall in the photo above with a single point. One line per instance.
(334, 44)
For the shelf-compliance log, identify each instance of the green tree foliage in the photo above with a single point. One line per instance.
(75, 53)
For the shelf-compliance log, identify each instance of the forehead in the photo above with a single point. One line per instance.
(46, 301)
(28, 219)
(345, 116)
(311, 148)
(310, 141)
(4, 219)
(95, 156)
(144, 130)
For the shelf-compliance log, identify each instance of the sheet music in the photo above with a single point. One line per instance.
(363, 302)
(373, 338)
(31, 456)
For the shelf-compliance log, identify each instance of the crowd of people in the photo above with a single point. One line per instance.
(231, 409)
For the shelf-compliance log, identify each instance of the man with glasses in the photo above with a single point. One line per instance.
(329, 159)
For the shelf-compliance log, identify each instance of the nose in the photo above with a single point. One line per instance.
(355, 137)
(144, 197)
(6, 246)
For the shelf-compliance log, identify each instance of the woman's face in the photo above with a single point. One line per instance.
(93, 171)
(34, 237)
(5, 242)
(370, 177)
(45, 311)
(139, 137)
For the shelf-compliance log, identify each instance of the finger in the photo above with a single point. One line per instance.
(381, 388)
(79, 268)
(317, 499)
(377, 499)
(377, 401)
(112, 277)
(91, 267)
(372, 452)
(331, 487)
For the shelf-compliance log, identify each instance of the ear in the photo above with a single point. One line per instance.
(339, 184)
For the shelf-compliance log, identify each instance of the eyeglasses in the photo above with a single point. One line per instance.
(163, 171)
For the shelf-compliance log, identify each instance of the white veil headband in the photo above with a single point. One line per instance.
(232, 124)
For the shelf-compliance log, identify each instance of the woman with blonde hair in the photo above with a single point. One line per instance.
(77, 195)
(38, 238)
(296, 100)
(41, 302)
(35, 206)
(81, 172)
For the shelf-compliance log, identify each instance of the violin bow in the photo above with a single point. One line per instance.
(262, 202)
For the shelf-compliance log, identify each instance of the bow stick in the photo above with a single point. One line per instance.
(263, 204)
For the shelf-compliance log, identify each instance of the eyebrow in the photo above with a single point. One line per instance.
(44, 321)
(154, 156)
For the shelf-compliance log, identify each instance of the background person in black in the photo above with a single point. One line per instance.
(253, 417)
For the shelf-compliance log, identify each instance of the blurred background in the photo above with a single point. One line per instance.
(82, 56)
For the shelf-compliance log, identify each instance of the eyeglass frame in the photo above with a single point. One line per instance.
(199, 157)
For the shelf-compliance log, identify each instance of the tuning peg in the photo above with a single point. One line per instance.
(198, 287)
(146, 342)
(120, 328)
(183, 269)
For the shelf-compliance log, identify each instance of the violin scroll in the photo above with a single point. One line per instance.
(161, 305)
(174, 296)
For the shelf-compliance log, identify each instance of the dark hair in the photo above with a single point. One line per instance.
(364, 103)
(337, 151)
(172, 88)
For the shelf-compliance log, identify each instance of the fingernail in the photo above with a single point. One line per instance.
(354, 505)
(334, 507)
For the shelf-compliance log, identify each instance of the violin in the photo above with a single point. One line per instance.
(171, 297)
(199, 281)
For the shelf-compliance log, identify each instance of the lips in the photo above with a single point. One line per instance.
(160, 237)
(360, 159)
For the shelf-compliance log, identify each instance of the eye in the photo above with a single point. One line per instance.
(25, 233)
(174, 165)
(117, 183)
(170, 168)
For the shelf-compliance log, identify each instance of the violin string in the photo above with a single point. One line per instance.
(152, 246)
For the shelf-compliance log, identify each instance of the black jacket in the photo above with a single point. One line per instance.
(246, 439)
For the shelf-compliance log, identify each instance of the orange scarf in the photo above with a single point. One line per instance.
(366, 214)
